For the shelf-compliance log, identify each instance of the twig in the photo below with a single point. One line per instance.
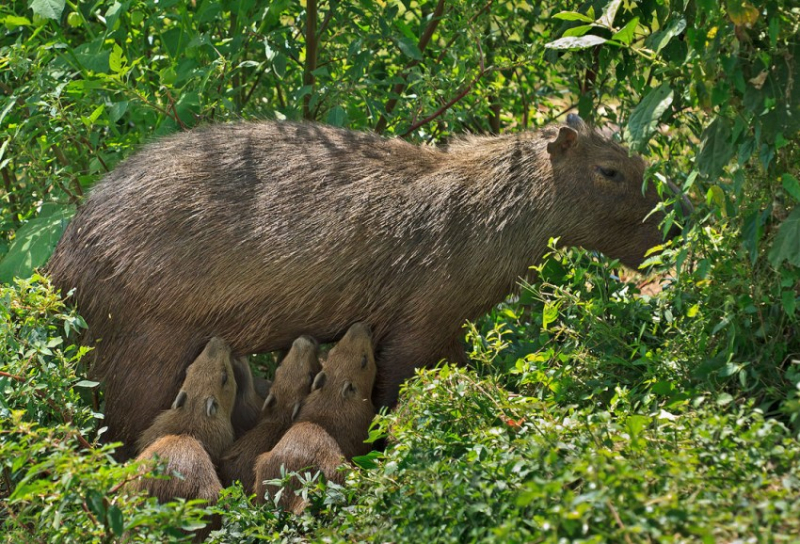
(447, 105)
(619, 521)
(328, 16)
(175, 111)
(9, 186)
(12, 376)
(398, 88)
(311, 55)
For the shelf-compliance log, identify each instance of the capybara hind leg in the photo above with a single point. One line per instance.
(396, 363)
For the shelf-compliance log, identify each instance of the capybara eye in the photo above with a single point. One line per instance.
(609, 173)
(364, 362)
(224, 376)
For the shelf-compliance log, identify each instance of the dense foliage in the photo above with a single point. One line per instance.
(601, 406)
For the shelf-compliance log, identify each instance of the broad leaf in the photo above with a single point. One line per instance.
(717, 149)
(786, 246)
(35, 242)
(576, 43)
(573, 16)
(49, 9)
(644, 118)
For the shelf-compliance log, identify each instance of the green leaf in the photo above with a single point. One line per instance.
(786, 246)
(791, 186)
(644, 118)
(368, 461)
(409, 48)
(337, 116)
(789, 301)
(576, 43)
(717, 149)
(577, 30)
(117, 60)
(87, 383)
(625, 35)
(35, 242)
(115, 519)
(658, 40)
(573, 16)
(12, 21)
(49, 9)
(609, 13)
(549, 313)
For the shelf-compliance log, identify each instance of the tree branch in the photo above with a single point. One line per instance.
(399, 87)
(311, 55)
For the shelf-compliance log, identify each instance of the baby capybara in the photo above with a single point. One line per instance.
(332, 424)
(290, 387)
(193, 433)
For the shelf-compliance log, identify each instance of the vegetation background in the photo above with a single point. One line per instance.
(601, 406)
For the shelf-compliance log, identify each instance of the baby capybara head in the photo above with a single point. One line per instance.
(209, 389)
(601, 188)
(294, 377)
(351, 363)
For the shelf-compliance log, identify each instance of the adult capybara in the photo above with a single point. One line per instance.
(191, 435)
(292, 384)
(230, 230)
(332, 424)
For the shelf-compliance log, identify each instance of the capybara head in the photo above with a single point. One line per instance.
(209, 389)
(293, 378)
(601, 180)
(351, 364)
(203, 406)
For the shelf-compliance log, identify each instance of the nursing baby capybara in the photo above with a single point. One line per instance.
(227, 230)
(332, 424)
(192, 434)
(289, 389)
(249, 401)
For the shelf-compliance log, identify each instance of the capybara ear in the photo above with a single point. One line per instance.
(211, 406)
(567, 137)
(574, 120)
(348, 390)
(296, 410)
(180, 400)
(269, 402)
(319, 381)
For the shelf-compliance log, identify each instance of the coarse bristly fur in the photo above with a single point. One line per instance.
(260, 232)
(292, 384)
(333, 422)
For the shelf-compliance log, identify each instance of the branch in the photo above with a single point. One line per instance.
(9, 186)
(464, 92)
(399, 87)
(311, 55)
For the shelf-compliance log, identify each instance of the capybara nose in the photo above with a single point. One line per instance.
(215, 346)
(306, 341)
(361, 328)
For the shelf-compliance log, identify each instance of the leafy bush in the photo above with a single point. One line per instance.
(600, 406)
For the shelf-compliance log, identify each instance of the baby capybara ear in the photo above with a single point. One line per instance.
(348, 390)
(319, 381)
(269, 402)
(180, 400)
(212, 406)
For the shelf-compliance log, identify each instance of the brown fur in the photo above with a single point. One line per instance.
(332, 424)
(229, 229)
(209, 386)
(292, 384)
(247, 408)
